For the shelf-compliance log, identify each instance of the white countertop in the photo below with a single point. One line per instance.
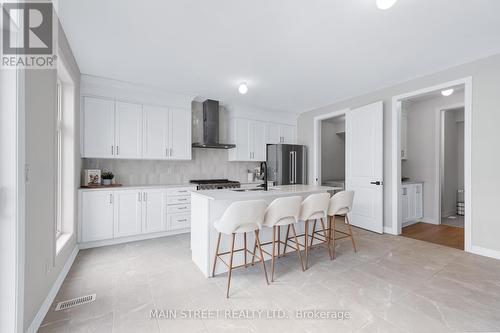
(281, 190)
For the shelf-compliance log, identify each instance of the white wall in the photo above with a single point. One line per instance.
(423, 144)
(332, 151)
(485, 74)
(42, 266)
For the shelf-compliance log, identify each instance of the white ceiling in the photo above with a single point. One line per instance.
(296, 55)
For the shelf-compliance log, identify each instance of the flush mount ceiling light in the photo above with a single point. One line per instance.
(385, 4)
(243, 88)
(447, 92)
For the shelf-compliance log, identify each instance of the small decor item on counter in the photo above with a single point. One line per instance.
(250, 176)
(107, 177)
(91, 177)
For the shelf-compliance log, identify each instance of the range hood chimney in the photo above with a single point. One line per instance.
(210, 127)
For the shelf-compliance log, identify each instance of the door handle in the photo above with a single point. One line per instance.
(378, 183)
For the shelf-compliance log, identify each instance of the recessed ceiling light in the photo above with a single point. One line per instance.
(447, 92)
(243, 88)
(385, 4)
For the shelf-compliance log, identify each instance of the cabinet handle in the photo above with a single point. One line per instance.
(171, 152)
(166, 152)
(183, 191)
(405, 191)
(182, 199)
(139, 196)
(183, 220)
(145, 196)
(110, 198)
(112, 150)
(402, 153)
(117, 150)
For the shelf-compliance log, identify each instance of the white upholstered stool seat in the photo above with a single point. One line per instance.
(240, 217)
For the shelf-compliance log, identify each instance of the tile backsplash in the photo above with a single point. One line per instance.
(206, 164)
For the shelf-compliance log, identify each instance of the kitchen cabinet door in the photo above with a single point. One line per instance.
(180, 135)
(412, 202)
(98, 127)
(128, 130)
(97, 215)
(273, 133)
(128, 213)
(419, 212)
(155, 132)
(288, 134)
(405, 204)
(240, 136)
(154, 210)
(258, 140)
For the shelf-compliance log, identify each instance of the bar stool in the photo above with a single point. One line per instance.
(340, 205)
(314, 208)
(240, 217)
(282, 212)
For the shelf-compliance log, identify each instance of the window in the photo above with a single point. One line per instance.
(59, 159)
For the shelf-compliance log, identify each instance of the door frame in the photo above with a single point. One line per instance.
(317, 141)
(438, 151)
(396, 148)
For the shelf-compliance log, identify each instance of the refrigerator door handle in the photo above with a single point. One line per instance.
(294, 167)
(290, 167)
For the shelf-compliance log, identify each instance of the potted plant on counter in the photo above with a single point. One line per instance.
(107, 177)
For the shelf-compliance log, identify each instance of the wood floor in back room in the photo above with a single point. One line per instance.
(436, 233)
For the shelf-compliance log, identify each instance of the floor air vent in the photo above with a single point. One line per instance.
(75, 301)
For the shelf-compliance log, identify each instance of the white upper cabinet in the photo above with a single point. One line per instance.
(180, 135)
(156, 132)
(249, 136)
(258, 140)
(128, 130)
(98, 128)
(134, 131)
(280, 133)
(288, 134)
(273, 133)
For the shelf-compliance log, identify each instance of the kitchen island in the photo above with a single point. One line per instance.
(209, 205)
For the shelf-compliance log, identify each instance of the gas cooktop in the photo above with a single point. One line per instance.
(214, 184)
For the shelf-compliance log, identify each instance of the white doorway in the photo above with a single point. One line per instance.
(432, 208)
(363, 162)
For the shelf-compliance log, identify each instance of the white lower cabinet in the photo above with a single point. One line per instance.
(120, 213)
(154, 211)
(411, 201)
(96, 215)
(128, 213)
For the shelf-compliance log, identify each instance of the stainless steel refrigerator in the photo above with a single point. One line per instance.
(287, 164)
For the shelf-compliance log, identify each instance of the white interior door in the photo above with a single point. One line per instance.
(364, 165)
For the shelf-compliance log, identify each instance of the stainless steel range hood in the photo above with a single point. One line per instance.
(209, 127)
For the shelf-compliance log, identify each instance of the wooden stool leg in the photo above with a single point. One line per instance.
(245, 247)
(261, 254)
(254, 251)
(286, 239)
(333, 235)
(313, 233)
(230, 266)
(297, 246)
(216, 254)
(350, 232)
(273, 255)
(330, 236)
(305, 243)
(326, 237)
(279, 240)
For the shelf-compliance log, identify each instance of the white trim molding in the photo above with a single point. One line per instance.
(396, 148)
(482, 251)
(42, 312)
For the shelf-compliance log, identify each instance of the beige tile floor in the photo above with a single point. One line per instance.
(393, 284)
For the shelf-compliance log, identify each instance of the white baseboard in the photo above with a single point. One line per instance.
(482, 251)
(389, 230)
(88, 245)
(427, 220)
(37, 321)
